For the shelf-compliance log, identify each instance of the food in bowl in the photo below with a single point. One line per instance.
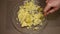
(30, 14)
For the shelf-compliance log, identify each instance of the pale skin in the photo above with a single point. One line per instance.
(54, 4)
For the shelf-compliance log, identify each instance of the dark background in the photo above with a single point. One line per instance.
(6, 27)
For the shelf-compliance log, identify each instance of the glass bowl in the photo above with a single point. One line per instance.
(17, 26)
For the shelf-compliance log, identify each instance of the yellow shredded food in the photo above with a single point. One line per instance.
(36, 28)
(30, 14)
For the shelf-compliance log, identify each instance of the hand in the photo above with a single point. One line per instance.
(52, 6)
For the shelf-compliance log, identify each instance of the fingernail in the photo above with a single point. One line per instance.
(45, 14)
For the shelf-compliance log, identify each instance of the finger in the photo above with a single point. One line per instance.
(47, 8)
(45, 14)
(47, 1)
(52, 10)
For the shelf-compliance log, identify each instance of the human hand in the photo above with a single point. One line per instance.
(52, 6)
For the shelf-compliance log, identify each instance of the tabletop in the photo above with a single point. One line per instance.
(53, 26)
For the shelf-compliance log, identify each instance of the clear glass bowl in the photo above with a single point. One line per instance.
(17, 26)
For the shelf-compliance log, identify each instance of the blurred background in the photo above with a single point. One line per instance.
(53, 26)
